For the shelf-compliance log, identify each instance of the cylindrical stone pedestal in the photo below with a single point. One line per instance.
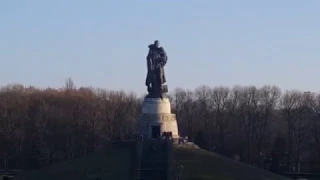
(156, 118)
(156, 106)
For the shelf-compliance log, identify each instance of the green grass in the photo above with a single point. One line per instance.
(114, 164)
(203, 165)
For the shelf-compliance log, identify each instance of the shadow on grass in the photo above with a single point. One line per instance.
(199, 164)
(114, 163)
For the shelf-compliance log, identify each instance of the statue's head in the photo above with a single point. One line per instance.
(156, 43)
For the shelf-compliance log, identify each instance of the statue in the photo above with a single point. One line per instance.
(156, 60)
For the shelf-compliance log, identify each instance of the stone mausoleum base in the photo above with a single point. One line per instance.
(156, 118)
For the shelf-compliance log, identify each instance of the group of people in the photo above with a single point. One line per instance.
(167, 135)
(182, 140)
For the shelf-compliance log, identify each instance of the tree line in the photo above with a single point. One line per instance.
(260, 126)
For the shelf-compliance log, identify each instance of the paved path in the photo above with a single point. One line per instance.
(154, 160)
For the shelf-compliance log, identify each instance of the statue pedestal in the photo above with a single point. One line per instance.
(156, 118)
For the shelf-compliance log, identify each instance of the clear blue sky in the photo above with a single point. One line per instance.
(103, 43)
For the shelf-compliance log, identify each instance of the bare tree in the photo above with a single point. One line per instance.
(250, 112)
(220, 100)
(190, 116)
(204, 105)
(178, 98)
(316, 123)
(269, 98)
(69, 85)
(289, 104)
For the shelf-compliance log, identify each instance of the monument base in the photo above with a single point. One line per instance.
(156, 119)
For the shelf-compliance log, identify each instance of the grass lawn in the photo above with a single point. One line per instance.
(109, 164)
(203, 165)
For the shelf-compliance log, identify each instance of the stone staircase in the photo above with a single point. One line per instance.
(155, 160)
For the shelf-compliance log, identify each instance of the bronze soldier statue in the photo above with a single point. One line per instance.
(156, 60)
